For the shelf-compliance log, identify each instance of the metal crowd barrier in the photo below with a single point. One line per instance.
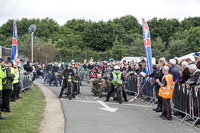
(26, 80)
(135, 83)
(187, 101)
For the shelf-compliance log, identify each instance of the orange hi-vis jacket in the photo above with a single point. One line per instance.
(167, 91)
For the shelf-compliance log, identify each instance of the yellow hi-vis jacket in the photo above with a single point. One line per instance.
(167, 91)
(16, 72)
(2, 75)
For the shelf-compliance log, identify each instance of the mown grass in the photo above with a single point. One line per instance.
(26, 114)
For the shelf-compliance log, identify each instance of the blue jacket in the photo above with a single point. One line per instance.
(174, 70)
(145, 71)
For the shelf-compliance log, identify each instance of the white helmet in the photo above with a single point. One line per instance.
(117, 69)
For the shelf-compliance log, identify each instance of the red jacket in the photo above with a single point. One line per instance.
(95, 72)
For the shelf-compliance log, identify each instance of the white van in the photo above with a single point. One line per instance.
(136, 59)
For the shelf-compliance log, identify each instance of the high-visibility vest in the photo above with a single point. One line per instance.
(2, 76)
(16, 72)
(116, 77)
(5, 71)
(167, 91)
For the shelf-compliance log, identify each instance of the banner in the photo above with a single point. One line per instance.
(147, 45)
(14, 53)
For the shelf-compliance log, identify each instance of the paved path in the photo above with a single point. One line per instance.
(53, 121)
(85, 115)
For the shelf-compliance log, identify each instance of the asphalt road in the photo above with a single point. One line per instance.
(85, 115)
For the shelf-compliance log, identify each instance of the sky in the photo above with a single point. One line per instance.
(63, 10)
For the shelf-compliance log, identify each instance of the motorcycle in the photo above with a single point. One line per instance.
(76, 85)
(56, 79)
(118, 88)
(99, 88)
(69, 91)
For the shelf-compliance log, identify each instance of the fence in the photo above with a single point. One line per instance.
(185, 101)
(134, 84)
(26, 81)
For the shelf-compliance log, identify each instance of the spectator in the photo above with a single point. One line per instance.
(174, 69)
(27, 67)
(142, 59)
(195, 76)
(196, 57)
(90, 66)
(185, 74)
(157, 87)
(189, 61)
(7, 88)
(144, 70)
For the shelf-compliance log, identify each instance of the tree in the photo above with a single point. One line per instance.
(118, 50)
(177, 48)
(190, 22)
(42, 50)
(98, 36)
(163, 28)
(158, 48)
(194, 39)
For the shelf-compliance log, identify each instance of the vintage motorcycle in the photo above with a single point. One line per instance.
(69, 90)
(118, 88)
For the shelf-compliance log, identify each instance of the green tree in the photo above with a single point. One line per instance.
(177, 48)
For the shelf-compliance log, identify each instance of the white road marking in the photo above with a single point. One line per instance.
(123, 104)
(87, 97)
(106, 107)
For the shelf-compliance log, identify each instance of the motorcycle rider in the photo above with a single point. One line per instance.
(109, 67)
(114, 76)
(95, 71)
(106, 77)
(55, 69)
(76, 75)
(68, 71)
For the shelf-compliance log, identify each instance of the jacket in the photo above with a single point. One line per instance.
(185, 76)
(9, 78)
(112, 77)
(67, 72)
(194, 78)
(166, 91)
(2, 76)
(174, 71)
(95, 72)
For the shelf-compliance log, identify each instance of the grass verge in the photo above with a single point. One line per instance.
(26, 114)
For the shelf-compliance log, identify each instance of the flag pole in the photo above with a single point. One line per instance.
(32, 29)
(32, 46)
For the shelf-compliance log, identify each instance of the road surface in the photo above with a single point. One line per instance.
(89, 114)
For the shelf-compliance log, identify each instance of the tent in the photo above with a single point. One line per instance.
(187, 56)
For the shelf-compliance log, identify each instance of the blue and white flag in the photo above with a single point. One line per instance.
(14, 54)
(147, 45)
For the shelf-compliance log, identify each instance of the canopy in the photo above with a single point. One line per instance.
(187, 56)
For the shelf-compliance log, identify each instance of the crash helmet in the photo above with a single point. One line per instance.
(73, 64)
(117, 69)
(69, 65)
(109, 69)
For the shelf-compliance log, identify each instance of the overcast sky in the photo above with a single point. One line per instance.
(95, 10)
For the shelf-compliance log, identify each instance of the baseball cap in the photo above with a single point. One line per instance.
(1, 59)
(197, 54)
